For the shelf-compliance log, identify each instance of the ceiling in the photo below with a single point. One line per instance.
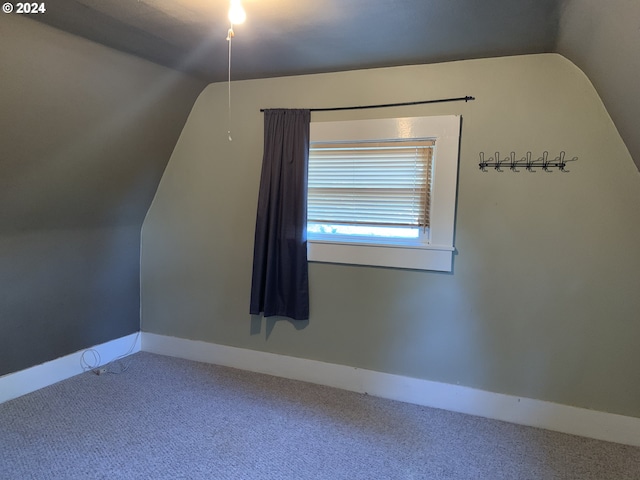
(292, 37)
(286, 37)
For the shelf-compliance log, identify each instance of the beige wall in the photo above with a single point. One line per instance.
(542, 302)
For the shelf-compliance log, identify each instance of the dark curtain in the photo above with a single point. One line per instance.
(280, 284)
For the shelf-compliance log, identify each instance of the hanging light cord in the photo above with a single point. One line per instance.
(230, 35)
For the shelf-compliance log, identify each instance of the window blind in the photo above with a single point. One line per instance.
(386, 184)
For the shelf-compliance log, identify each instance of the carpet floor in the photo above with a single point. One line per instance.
(167, 418)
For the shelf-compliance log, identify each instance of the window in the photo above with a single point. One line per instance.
(382, 192)
(375, 192)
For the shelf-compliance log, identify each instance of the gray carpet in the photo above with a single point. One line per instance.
(165, 418)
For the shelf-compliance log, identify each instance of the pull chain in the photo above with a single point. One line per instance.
(230, 35)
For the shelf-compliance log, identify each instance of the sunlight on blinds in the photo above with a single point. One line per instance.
(370, 184)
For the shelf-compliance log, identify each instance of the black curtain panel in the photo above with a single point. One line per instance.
(280, 283)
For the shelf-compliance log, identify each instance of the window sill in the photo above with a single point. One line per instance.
(428, 257)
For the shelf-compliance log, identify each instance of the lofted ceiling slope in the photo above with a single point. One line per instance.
(291, 37)
(286, 37)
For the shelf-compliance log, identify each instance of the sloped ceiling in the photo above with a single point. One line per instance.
(283, 37)
(603, 39)
(287, 37)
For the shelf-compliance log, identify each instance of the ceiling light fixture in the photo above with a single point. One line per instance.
(237, 15)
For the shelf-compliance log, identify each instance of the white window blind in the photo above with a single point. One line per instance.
(381, 184)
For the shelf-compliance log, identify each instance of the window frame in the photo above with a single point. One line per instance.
(436, 251)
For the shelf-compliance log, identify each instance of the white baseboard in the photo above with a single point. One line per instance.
(20, 383)
(523, 411)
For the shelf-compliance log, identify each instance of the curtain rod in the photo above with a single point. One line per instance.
(362, 107)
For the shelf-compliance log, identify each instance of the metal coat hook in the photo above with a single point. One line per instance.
(544, 162)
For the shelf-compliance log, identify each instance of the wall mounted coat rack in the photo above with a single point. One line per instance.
(543, 162)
